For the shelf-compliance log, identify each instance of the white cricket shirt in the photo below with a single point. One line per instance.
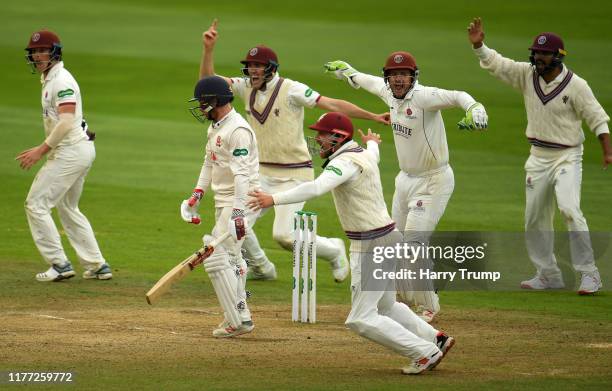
(418, 128)
(59, 88)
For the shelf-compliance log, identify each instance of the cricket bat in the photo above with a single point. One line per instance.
(182, 269)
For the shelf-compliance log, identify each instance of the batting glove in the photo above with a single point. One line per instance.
(237, 224)
(195, 198)
(189, 208)
(475, 118)
(341, 70)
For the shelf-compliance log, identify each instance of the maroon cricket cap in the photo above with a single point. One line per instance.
(43, 39)
(260, 54)
(548, 42)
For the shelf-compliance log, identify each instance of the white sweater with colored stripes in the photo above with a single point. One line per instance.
(555, 110)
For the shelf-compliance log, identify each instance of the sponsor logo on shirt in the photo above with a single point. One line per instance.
(64, 93)
(308, 93)
(333, 169)
(401, 130)
(240, 152)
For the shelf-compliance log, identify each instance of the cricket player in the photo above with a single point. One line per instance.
(231, 169)
(70, 154)
(425, 182)
(557, 101)
(351, 174)
(275, 110)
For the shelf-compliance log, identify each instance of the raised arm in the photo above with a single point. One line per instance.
(342, 70)
(476, 33)
(209, 39)
(507, 70)
(350, 109)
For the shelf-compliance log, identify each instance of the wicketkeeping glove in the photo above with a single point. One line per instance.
(237, 224)
(189, 208)
(475, 118)
(341, 70)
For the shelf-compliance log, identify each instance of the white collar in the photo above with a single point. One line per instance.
(556, 80)
(218, 124)
(561, 75)
(271, 84)
(55, 69)
(350, 144)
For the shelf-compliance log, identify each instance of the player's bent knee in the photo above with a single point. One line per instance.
(570, 214)
(405, 295)
(385, 306)
(32, 208)
(284, 240)
(64, 208)
(359, 326)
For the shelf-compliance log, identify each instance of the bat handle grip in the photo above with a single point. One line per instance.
(218, 240)
(207, 250)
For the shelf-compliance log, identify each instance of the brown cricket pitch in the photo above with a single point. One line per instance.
(171, 347)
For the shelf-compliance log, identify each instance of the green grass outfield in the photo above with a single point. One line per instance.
(136, 63)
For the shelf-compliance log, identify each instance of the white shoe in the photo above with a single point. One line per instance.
(226, 330)
(540, 283)
(103, 273)
(591, 283)
(423, 364)
(340, 266)
(265, 272)
(56, 273)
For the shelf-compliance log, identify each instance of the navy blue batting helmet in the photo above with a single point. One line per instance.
(210, 92)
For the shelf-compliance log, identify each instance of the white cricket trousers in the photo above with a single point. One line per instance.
(282, 229)
(59, 184)
(418, 205)
(376, 315)
(549, 178)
